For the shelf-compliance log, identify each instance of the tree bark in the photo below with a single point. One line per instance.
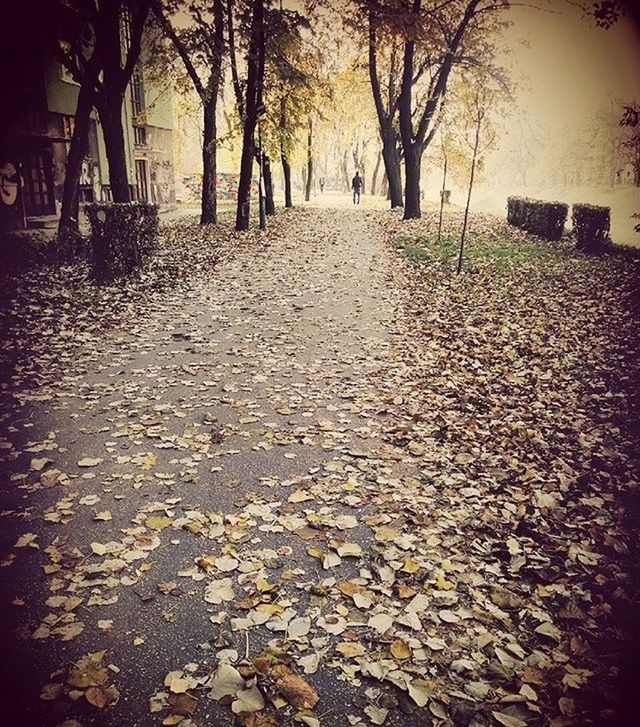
(412, 162)
(244, 183)
(391, 158)
(307, 192)
(375, 174)
(70, 214)
(384, 187)
(209, 212)
(270, 206)
(110, 112)
(286, 167)
(286, 172)
(253, 101)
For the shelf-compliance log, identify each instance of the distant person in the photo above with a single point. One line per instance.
(356, 186)
(321, 185)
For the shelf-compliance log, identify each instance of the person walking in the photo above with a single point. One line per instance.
(321, 185)
(356, 186)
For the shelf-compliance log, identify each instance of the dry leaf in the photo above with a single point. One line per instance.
(298, 692)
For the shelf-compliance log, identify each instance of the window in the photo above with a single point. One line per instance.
(140, 135)
(38, 182)
(137, 92)
(142, 190)
(68, 123)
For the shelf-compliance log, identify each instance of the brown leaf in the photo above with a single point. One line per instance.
(183, 704)
(101, 697)
(92, 676)
(260, 719)
(298, 692)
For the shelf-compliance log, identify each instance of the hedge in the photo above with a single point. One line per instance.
(124, 235)
(545, 219)
(591, 226)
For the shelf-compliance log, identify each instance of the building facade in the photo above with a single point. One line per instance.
(36, 141)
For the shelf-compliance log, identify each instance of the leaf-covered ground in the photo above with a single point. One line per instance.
(313, 477)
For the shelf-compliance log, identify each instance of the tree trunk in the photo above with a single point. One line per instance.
(209, 213)
(412, 159)
(345, 173)
(391, 159)
(270, 206)
(384, 187)
(466, 209)
(375, 174)
(286, 171)
(244, 183)
(69, 217)
(110, 112)
(286, 167)
(444, 185)
(255, 78)
(309, 180)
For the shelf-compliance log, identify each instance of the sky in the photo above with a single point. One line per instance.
(571, 68)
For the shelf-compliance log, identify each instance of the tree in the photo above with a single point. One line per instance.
(76, 48)
(309, 176)
(387, 106)
(429, 38)
(200, 47)
(99, 44)
(249, 102)
(290, 86)
(478, 107)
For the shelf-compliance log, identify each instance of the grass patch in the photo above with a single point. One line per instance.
(414, 249)
(480, 251)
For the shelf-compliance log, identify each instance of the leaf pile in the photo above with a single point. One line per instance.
(327, 485)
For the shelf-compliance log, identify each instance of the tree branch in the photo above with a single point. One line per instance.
(171, 33)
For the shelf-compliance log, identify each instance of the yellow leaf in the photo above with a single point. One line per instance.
(386, 533)
(263, 585)
(351, 649)
(158, 522)
(299, 496)
(399, 649)
(172, 719)
(410, 566)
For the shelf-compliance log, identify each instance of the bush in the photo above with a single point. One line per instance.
(516, 207)
(123, 237)
(591, 226)
(545, 219)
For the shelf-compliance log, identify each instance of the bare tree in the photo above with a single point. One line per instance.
(201, 45)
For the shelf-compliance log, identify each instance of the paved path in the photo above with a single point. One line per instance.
(245, 424)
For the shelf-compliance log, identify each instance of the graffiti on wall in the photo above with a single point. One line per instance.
(9, 184)
(90, 178)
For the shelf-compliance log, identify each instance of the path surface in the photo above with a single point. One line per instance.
(318, 483)
(242, 422)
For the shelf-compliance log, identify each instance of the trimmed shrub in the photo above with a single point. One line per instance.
(123, 237)
(545, 219)
(516, 207)
(591, 226)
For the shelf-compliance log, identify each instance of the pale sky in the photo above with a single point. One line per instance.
(572, 67)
